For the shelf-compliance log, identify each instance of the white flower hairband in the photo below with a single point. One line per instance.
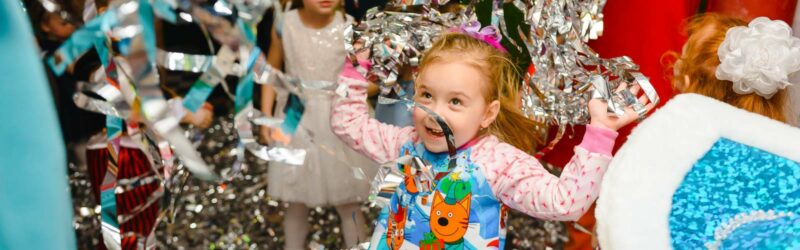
(759, 58)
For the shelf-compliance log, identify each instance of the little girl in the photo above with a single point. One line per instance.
(310, 41)
(720, 158)
(471, 84)
(698, 69)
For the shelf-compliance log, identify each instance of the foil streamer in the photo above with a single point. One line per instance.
(141, 56)
(251, 11)
(397, 39)
(184, 62)
(247, 141)
(215, 68)
(131, 23)
(390, 177)
(112, 103)
(266, 74)
(221, 66)
(95, 105)
(568, 73)
(239, 37)
(567, 70)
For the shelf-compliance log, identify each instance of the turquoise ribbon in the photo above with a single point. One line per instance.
(164, 11)
(244, 90)
(246, 30)
(148, 29)
(108, 207)
(113, 126)
(204, 85)
(197, 95)
(81, 40)
(102, 51)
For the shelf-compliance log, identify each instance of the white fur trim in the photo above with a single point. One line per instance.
(636, 195)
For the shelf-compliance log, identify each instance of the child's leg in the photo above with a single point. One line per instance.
(295, 226)
(352, 223)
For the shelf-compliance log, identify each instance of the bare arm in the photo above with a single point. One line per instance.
(275, 59)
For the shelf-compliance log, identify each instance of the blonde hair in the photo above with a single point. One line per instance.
(699, 63)
(510, 126)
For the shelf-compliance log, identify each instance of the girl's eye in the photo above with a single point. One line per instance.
(455, 101)
(426, 95)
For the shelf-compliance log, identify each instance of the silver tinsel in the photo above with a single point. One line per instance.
(398, 37)
(567, 70)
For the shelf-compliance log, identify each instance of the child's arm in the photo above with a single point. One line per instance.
(372, 89)
(522, 183)
(275, 59)
(350, 121)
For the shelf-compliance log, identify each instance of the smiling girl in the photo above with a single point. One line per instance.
(471, 84)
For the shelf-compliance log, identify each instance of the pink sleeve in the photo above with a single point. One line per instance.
(351, 122)
(522, 183)
(598, 140)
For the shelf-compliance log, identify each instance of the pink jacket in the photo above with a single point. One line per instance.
(516, 178)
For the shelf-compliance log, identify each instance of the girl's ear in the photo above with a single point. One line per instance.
(491, 113)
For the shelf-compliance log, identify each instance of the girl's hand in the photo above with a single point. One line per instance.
(598, 110)
(265, 135)
(202, 118)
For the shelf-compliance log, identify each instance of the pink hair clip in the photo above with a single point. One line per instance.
(488, 34)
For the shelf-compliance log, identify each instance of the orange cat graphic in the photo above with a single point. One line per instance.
(395, 227)
(408, 178)
(449, 221)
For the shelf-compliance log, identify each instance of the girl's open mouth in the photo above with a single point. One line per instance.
(435, 132)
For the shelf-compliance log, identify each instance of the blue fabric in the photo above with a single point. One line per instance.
(781, 233)
(484, 211)
(35, 207)
(730, 179)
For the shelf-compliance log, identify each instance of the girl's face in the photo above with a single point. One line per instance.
(454, 90)
(321, 7)
(57, 27)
